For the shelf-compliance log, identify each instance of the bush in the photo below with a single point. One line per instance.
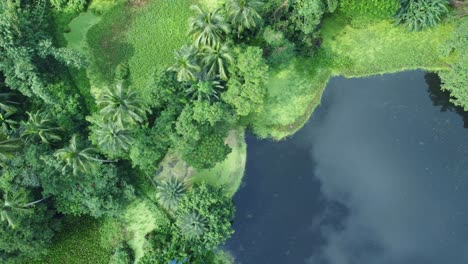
(374, 9)
(69, 6)
(420, 14)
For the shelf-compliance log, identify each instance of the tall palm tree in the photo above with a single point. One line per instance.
(216, 60)
(122, 105)
(8, 146)
(205, 90)
(169, 192)
(243, 14)
(39, 126)
(12, 204)
(186, 65)
(77, 158)
(112, 138)
(191, 224)
(207, 28)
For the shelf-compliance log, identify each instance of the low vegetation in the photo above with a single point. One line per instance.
(122, 122)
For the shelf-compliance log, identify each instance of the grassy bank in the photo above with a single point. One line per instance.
(348, 49)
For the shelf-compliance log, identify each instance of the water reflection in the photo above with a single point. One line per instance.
(377, 176)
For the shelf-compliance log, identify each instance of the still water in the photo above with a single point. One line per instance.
(379, 175)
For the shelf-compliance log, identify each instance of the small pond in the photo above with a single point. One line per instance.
(379, 175)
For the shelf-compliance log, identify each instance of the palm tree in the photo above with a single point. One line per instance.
(191, 224)
(39, 126)
(6, 105)
(112, 138)
(243, 14)
(77, 158)
(186, 65)
(13, 203)
(169, 193)
(207, 28)
(216, 60)
(8, 146)
(205, 90)
(122, 105)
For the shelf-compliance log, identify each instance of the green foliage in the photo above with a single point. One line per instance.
(8, 146)
(111, 139)
(76, 157)
(191, 225)
(455, 78)
(205, 112)
(69, 6)
(149, 146)
(307, 15)
(216, 60)
(279, 49)
(122, 255)
(210, 150)
(205, 90)
(245, 89)
(122, 105)
(186, 65)
(243, 15)
(208, 28)
(169, 192)
(214, 215)
(26, 229)
(420, 14)
(28, 57)
(39, 127)
(374, 9)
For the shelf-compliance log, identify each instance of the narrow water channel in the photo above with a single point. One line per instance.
(379, 175)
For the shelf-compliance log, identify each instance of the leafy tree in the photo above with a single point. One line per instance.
(205, 90)
(111, 138)
(455, 78)
(186, 65)
(122, 106)
(205, 112)
(245, 89)
(76, 157)
(169, 192)
(420, 14)
(307, 15)
(243, 14)
(191, 225)
(279, 48)
(207, 28)
(39, 127)
(28, 59)
(216, 60)
(217, 210)
(209, 151)
(69, 6)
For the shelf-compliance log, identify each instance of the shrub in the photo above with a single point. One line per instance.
(375, 9)
(420, 14)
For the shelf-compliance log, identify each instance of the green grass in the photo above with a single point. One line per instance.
(351, 50)
(77, 243)
(158, 29)
(76, 38)
(229, 173)
(141, 218)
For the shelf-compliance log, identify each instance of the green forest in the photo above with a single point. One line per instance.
(123, 121)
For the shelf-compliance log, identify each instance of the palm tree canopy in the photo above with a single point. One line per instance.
(77, 158)
(112, 138)
(243, 14)
(169, 193)
(7, 107)
(205, 90)
(8, 146)
(186, 65)
(39, 126)
(216, 60)
(191, 224)
(12, 204)
(207, 28)
(122, 105)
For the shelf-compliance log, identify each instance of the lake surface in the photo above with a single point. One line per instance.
(379, 175)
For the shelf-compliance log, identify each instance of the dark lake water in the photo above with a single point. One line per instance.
(379, 175)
